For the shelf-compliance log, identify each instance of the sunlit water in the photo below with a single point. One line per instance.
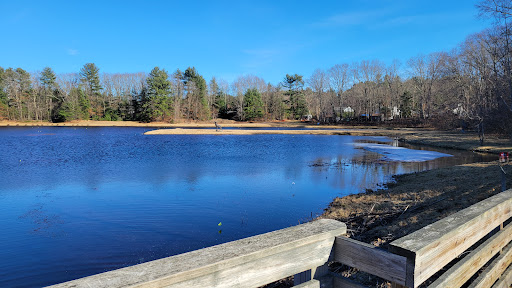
(79, 201)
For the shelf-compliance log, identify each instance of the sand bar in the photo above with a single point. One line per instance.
(179, 131)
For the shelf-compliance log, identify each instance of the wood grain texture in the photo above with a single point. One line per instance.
(505, 280)
(461, 272)
(371, 259)
(249, 262)
(435, 245)
(494, 271)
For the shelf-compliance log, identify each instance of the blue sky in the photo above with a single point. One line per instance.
(227, 39)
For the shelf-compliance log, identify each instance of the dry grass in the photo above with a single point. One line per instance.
(458, 140)
(415, 201)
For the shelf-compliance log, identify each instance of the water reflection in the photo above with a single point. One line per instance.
(111, 197)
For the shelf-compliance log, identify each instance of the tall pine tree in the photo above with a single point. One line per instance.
(90, 79)
(157, 103)
(253, 105)
(297, 106)
(198, 102)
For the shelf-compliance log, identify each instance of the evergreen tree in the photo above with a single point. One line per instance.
(406, 105)
(253, 105)
(198, 102)
(90, 79)
(218, 99)
(49, 93)
(157, 103)
(297, 106)
(3, 95)
(48, 78)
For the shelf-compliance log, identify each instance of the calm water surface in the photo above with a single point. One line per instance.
(80, 201)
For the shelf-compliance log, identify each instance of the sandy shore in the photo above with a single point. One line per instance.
(179, 131)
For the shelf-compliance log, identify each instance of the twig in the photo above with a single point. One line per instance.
(404, 211)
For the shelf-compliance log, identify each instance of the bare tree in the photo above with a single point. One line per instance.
(501, 11)
(319, 82)
(339, 76)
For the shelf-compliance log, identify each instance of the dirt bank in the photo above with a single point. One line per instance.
(416, 200)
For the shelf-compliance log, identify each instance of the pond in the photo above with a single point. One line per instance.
(80, 201)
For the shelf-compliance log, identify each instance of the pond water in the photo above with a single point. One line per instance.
(80, 201)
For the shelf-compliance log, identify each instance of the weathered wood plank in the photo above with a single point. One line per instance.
(461, 272)
(371, 259)
(310, 284)
(249, 262)
(435, 245)
(257, 272)
(495, 269)
(505, 280)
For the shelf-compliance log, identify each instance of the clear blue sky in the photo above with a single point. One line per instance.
(227, 38)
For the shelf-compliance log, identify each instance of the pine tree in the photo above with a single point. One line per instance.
(3, 95)
(297, 106)
(253, 105)
(198, 108)
(90, 79)
(157, 103)
(49, 92)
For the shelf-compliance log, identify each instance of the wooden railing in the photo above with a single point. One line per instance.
(428, 256)
(430, 249)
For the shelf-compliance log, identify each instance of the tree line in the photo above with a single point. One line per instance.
(469, 86)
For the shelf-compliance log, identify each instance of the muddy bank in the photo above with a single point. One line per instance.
(416, 200)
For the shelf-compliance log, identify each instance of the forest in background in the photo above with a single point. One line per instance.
(466, 87)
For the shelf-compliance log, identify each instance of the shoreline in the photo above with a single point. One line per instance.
(468, 141)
